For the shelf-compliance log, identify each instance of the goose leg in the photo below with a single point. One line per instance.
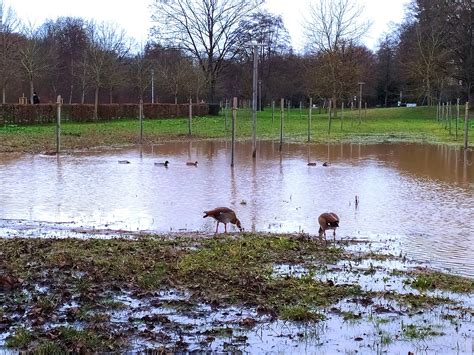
(225, 228)
(217, 227)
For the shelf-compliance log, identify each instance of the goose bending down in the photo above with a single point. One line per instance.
(124, 162)
(328, 220)
(165, 164)
(312, 164)
(223, 215)
(192, 163)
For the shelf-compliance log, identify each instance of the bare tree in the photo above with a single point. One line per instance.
(9, 46)
(462, 36)
(140, 68)
(331, 28)
(107, 45)
(207, 29)
(33, 56)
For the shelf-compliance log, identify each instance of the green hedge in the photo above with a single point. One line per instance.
(47, 113)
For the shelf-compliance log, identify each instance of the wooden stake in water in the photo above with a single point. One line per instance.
(58, 125)
(309, 118)
(301, 110)
(466, 120)
(365, 114)
(282, 113)
(190, 121)
(234, 118)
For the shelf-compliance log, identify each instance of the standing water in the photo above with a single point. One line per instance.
(418, 197)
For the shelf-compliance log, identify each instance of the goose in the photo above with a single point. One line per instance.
(328, 220)
(312, 164)
(325, 163)
(124, 162)
(192, 163)
(165, 164)
(223, 215)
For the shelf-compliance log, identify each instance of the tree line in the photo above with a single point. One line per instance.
(201, 49)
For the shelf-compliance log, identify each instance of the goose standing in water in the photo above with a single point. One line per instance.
(328, 220)
(223, 215)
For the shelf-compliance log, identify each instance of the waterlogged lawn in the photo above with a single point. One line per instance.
(378, 125)
(246, 292)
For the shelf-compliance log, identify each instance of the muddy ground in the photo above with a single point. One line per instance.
(252, 293)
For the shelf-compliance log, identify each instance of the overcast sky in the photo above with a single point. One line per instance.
(134, 16)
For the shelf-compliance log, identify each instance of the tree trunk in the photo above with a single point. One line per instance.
(32, 89)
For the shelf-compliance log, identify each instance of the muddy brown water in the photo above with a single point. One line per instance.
(420, 198)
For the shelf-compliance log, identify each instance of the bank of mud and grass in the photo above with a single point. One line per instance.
(239, 292)
(417, 125)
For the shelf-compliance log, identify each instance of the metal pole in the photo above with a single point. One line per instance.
(254, 101)
(58, 125)
(234, 116)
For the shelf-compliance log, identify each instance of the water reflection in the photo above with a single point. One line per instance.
(419, 195)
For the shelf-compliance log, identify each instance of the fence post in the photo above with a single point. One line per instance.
(457, 117)
(58, 125)
(466, 126)
(273, 111)
(329, 116)
(140, 116)
(282, 112)
(226, 112)
(309, 118)
(234, 117)
(342, 114)
(190, 121)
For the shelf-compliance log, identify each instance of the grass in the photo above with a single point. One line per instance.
(416, 124)
(433, 280)
(20, 339)
(413, 331)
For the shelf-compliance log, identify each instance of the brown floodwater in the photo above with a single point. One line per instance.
(419, 198)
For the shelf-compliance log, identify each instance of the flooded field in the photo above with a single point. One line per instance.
(419, 198)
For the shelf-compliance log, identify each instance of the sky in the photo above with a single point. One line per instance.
(134, 16)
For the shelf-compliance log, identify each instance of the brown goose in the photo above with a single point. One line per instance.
(192, 163)
(223, 215)
(328, 220)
